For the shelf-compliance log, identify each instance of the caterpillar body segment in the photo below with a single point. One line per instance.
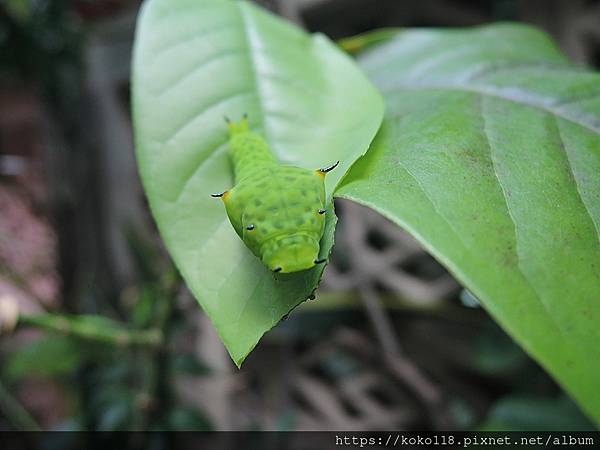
(249, 151)
(277, 210)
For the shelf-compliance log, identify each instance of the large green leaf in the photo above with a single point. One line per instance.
(490, 155)
(198, 60)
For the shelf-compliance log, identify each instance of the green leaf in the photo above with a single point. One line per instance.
(528, 413)
(196, 61)
(490, 155)
(49, 357)
(187, 419)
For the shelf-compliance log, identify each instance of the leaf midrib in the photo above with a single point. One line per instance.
(501, 185)
(250, 34)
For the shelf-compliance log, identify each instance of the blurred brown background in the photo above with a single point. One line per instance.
(392, 341)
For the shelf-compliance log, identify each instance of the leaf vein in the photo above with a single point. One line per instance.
(205, 109)
(592, 123)
(198, 165)
(563, 146)
(190, 38)
(253, 44)
(202, 65)
(513, 220)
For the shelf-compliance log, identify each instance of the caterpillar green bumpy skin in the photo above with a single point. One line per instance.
(277, 210)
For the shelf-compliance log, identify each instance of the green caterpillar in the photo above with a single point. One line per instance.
(278, 211)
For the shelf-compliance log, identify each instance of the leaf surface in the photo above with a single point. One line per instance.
(489, 154)
(196, 61)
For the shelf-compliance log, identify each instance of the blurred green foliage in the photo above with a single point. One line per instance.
(52, 356)
(40, 41)
(120, 372)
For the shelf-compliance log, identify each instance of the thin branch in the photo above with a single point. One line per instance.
(154, 397)
(398, 363)
(381, 323)
(93, 328)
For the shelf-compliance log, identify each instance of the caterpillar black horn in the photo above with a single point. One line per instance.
(329, 169)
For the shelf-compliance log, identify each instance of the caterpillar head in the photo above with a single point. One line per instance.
(290, 253)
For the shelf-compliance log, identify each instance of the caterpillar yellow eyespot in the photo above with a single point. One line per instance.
(272, 206)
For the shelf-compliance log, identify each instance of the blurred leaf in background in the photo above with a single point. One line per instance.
(528, 413)
(50, 356)
(39, 41)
